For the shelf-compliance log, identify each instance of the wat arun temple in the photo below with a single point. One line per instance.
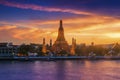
(61, 44)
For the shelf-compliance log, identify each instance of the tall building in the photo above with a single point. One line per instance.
(60, 43)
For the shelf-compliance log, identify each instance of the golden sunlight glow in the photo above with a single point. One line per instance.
(113, 35)
(98, 29)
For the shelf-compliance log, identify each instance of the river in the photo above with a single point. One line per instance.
(60, 70)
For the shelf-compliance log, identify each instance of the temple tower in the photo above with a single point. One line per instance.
(44, 50)
(72, 52)
(50, 42)
(60, 43)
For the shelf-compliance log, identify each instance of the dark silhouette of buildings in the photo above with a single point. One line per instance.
(8, 49)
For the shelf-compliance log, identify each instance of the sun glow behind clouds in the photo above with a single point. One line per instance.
(113, 35)
(85, 30)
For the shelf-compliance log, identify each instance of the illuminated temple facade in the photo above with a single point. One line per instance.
(60, 43)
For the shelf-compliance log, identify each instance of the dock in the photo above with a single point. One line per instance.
(62, 58)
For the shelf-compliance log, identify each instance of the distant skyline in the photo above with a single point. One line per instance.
(29, 21)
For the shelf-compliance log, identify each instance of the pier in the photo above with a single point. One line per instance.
(62, 58)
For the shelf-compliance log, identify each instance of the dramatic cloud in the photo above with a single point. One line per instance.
(6, 27)
(86, 27)
(42, 8)
(97, 29)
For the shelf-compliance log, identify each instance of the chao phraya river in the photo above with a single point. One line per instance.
(60, 70)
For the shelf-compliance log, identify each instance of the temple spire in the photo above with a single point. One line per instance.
(50, 42)
(61, 26)
(61, 32)
(44, 50)
(43, 41)
(73, 46)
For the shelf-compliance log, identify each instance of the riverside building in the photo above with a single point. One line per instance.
(8, 49)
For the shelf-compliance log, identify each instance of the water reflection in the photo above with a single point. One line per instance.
(60, 70)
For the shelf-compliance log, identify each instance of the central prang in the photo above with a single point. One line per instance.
(60, 43)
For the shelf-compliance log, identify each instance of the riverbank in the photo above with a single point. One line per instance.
(63, 58)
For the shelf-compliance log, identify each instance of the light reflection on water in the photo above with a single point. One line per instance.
(60, 70)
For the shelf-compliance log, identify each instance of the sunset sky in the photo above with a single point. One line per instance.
(29, 21)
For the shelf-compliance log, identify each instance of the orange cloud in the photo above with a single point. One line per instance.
(23, 34)
(7, 27)
(98, 29)
(27, 33)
